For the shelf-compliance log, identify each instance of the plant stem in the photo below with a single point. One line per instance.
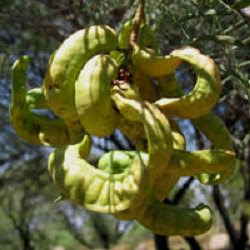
(139, 16)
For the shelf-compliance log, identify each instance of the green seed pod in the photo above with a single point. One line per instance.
(65, 66)
(157, 130)
(33, 128)
(165, 219)
(204, 95)
(216, 132)
(207, 161)
(151, 64)
(169, 179)
(96, 189)
(160, 218)
(93, 95)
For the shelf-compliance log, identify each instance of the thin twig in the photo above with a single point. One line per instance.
(139, 16)
(244, 13)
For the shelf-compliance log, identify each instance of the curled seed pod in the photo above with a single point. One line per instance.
(64, 68)
(205, 93)
(134, 130)
(165, 219)
(208, 161)
(99, 190)
(157, 130)
(93, 95)
(33, 128)
(169, 179)
(160, 218)
(215, 131)
(151, 64)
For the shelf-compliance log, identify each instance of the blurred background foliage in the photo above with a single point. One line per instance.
(29, 219)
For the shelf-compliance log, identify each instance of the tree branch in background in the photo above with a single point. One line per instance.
(244, 219)
(236, 112)
(181, 192)
(20, 224)
(161, 242)
(118, 13)
(193, 243)
(218, 200)
(73, 230)
(244, 12)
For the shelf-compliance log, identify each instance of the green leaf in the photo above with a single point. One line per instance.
(241, 4)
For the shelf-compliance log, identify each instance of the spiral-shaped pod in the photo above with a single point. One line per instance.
(64, 69)
(33, 128)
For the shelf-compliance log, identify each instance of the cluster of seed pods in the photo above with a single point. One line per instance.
(96, 83)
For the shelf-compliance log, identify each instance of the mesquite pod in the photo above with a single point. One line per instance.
(216, 132)
(208, 161)
(151, 64)
(64, 68)
(33, 128)
(157, 129)
(165, 219)
(98, 81)
(205, 93)
(93, 95)
(167, 181)
(212, 127)
(96, 189)
(120, 183)
(145, 208)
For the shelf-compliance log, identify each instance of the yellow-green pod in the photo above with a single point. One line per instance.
(151, 64)
(166, 219)
(33, 128)
(215, 130)
(169, 179)
(209, 161)
(96, 189)
(205, 93)
(64, 68)
(212, 127)
(157, 130)
(93, 95)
